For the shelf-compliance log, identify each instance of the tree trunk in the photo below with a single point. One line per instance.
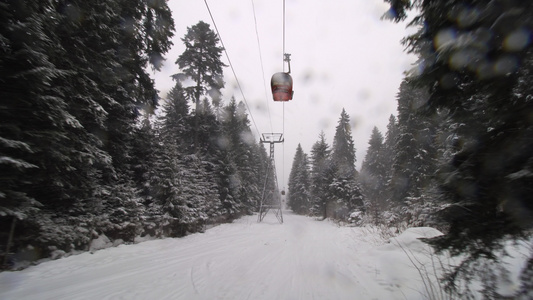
(9, 240)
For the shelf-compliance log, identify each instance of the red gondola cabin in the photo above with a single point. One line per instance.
(281, 84)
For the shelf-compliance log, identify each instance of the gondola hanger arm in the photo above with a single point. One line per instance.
(287, 58)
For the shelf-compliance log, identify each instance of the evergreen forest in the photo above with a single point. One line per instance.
(82, 151)
(88, 146)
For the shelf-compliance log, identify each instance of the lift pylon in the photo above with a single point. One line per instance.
(271, 199)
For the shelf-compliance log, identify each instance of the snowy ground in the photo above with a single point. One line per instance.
(301, 259)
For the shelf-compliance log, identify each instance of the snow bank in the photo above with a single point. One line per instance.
(410, 238)
(100, 243)
(408, 263)
(406, 257)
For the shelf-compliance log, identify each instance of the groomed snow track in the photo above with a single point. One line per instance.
(300, 259)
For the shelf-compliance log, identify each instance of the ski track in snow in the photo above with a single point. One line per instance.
(300, 259)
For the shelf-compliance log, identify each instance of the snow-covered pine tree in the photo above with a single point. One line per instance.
(391, 138)
(389, 146)
(163, 216)
(206, 131)
(177, 120)
(343, 149)
(143, 155)
(226, 170)
(344, 193)
(146, 151)
(299, 193)
(201, 63)
(170, 144)
(197, 191)
(251, 188)
(414, 161)
(237, 144)
(373, 175)
(372, 169)
(320, 155)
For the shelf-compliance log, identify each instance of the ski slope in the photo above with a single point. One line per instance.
(300, 259)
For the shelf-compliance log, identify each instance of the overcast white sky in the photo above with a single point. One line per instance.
(343, 56)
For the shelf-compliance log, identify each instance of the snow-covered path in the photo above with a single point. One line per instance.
(300, 259)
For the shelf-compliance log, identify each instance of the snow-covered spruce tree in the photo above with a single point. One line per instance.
(143, 155)
(391, 138)
(207, 132)
(35, 120)
(184, 193)
(343, 150)
(198, 194)
(320, 154)
(163, 216)
(248, 162)
(414, 160)
(169, 147)
(298, 194)
(237, 144)
(373, 176)
(176, 119)
(344, 193)
(226, 170)
(487, 98)
(259, 166)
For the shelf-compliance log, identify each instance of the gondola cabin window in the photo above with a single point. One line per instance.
(281, 84)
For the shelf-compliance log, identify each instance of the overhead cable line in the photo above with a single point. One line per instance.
(262, 68)
(283, 150)
(285, 56)
(283, 60)
(232, 69)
